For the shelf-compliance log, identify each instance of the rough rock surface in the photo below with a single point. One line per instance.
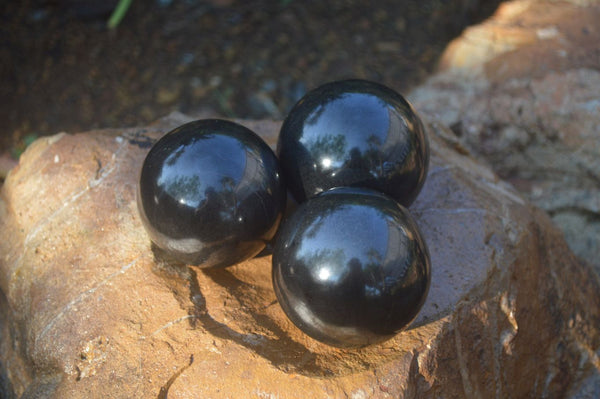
(87, 311)
(522, 92)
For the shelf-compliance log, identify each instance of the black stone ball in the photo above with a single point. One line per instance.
(354, 133)
(211, 193)
(350, 267)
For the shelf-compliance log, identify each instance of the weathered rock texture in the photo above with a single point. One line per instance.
(522, 91)
(87, 311)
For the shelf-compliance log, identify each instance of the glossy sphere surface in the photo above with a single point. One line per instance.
(211, 193)
(350, 267)
(354, 133)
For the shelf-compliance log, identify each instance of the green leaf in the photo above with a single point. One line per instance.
(118, 13)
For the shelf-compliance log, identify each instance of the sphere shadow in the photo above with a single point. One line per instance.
(255, 324)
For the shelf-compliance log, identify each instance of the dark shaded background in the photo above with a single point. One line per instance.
(61, 69)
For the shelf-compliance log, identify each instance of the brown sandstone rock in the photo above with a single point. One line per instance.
(86, 310)
(522, 91)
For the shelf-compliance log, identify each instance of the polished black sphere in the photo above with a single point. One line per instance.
(354, 133)
(211, 193)
(350, 267)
